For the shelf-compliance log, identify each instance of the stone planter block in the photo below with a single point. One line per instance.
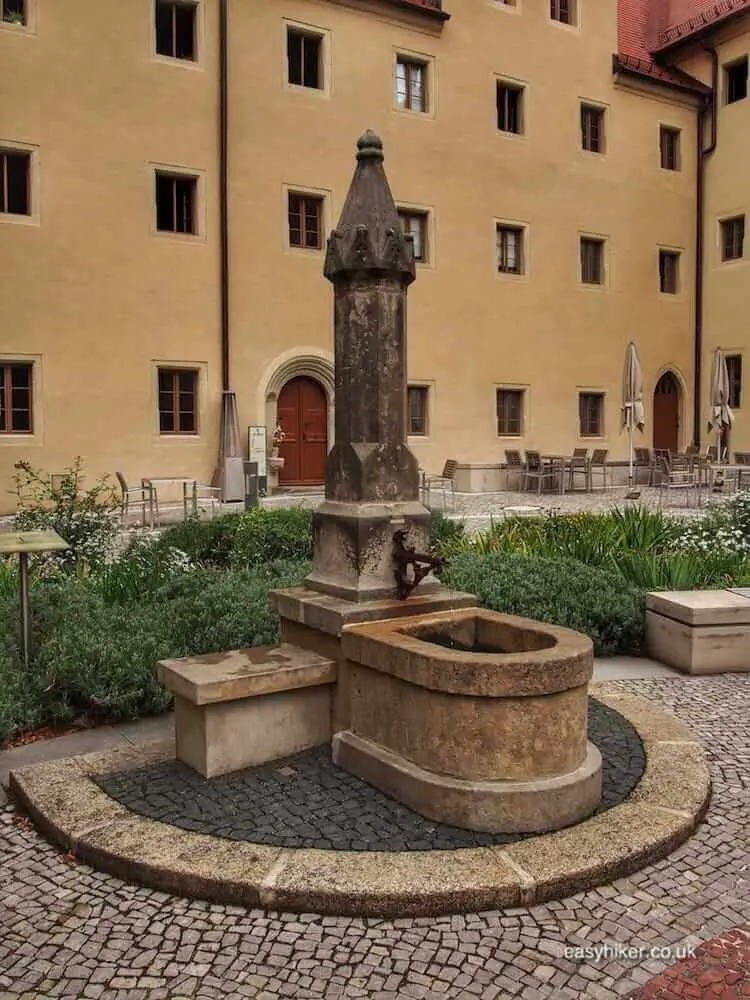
(701, 631)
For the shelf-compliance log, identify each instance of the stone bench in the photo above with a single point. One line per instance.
(248, 706)
(700, 631)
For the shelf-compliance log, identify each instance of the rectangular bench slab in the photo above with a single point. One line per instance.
(700, 631)
(248, 706)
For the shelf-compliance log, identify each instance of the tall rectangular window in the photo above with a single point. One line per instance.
(592, 261)
(305, 221)
(563, 11)
(178, 401)
(733, 238)
(669, 146)
(510, 255)
(411, 84)
(176, 203)
(509, 108)
(176, 29)
(592, 128)
(669, 272)
(416, 397)
(510, 412)
(734, 371)
(304, 51)
(15, 398)
(735, 81)
(15, 182)
(590, 414)
(13, 11)
(414, 224)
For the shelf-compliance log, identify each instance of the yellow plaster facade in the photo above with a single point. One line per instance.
(97, 299)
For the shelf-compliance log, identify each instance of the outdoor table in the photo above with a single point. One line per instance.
(560, 464)
(189, 486)
(24, 542)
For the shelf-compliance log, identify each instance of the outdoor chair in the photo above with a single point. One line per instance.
(742, 458)
(446, 482)
(643, 466)
(679, 477)
(139, 494)
(598, 463)
(661, 463)
(580, 463)
(514, 469)
(208, 497)
(536, 469)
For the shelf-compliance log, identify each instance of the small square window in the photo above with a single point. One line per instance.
(176, 29)
(510, 412)
(735, 81)
(414, 224)
(305, 221)
(13, 12)
(669, 146)
(417, 396)
(411, 84)
(592, 128)
(563, 11)
(510, 249)
(591, 414)
(15, 182)
(669, 272)
(178, 401)
(509, 108)
(733, 238)
(176, 197)
(734, 371)
(15, 398)
(592, 261)
(304, 52)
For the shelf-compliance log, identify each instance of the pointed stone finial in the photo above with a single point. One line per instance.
(369, 145)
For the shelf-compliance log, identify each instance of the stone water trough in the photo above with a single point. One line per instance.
(472, 718)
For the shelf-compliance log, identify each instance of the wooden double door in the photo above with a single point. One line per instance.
(667, 413)
(303, 415)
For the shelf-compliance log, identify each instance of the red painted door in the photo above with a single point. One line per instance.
(667, 413)
(303, 415)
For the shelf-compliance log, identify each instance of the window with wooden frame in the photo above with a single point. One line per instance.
(510, 412)
(590, 414)
(733, 238)
(304, 53)
(178, 401)
(592, 261)
(15, 182)
(417, 398)
(669, 147)
(592, 128)
(176, 29)
(509, 107)
(16, 416)
(414, 224)
(13, 12)
(411, 84)
(510, 249)
(735, 81)
(563, 11)
(669, 272)
(176, 203)
(305, 221)
(734, 371)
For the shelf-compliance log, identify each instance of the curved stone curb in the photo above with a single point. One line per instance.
(664, 809)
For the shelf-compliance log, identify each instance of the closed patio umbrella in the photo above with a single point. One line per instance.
(721, 414)
(632, 401)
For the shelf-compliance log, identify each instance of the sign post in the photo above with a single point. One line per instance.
(257, 447)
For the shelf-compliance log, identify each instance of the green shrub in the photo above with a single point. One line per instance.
(560, 591)
(144, 567)
(207, 542)
(263, 536)
(681, 570)
(445, 535)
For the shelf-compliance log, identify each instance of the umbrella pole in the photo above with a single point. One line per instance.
(630, 451)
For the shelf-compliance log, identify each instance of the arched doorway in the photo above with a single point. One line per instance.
(303, 414)
(667, 412)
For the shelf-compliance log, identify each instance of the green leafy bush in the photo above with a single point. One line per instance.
(445, 534)
(207, 542)
(263, 536)
(564, 592)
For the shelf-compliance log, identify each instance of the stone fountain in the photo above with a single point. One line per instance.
(467, 716)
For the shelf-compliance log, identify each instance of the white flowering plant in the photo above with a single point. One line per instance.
(724, 528)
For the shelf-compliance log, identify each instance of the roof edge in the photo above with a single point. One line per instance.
(696, 27)
(624, 63)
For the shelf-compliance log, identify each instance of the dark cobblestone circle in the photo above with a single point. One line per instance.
(305, 801)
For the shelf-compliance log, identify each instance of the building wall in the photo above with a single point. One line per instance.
(90, 290)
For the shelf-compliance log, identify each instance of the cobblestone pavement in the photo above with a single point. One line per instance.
(70, 931)
(304, 801)
(720, 969)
